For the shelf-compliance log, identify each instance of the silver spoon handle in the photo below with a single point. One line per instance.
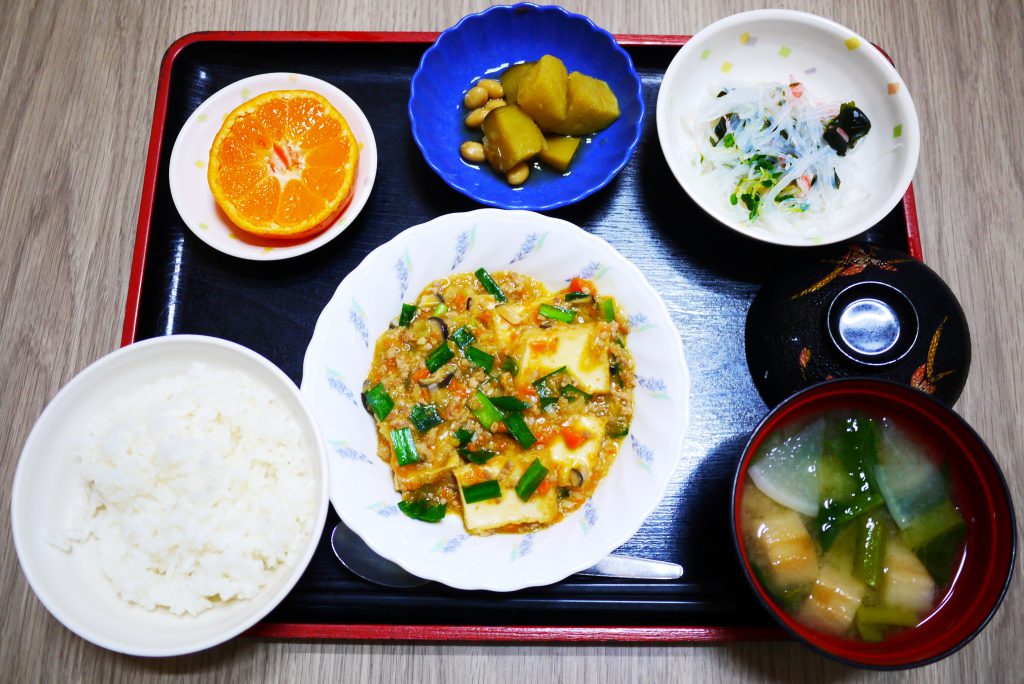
(628, 567)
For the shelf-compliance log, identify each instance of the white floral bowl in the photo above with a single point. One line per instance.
(836, 65)
(338, 360)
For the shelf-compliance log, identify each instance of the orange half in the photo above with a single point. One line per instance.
(283, 164)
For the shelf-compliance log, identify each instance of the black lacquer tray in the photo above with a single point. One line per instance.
(706, 274)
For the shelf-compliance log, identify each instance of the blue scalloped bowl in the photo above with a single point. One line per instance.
(485, 44)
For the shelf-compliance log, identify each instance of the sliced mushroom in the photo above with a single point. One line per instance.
(436, 380)
(441, 326)
(509, 314)
(576, 478)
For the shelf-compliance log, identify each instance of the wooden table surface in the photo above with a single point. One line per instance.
(77, 85)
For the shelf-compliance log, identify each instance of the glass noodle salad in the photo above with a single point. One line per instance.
(776, 151)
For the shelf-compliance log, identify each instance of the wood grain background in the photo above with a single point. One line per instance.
(77, 83)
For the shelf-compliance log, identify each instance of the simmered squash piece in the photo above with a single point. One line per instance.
(591, 106)
(510, 79)
(558, 151)
(543, 92)
(510, 137)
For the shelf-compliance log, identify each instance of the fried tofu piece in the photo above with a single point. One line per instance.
(834, 600)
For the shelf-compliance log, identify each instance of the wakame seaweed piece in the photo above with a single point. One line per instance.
(488, 282)
(849, 126)
(720, 130)
(423, 510)
(424, 417)
(408, 313)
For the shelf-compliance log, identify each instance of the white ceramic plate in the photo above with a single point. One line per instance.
(191, 156)
(836, 65)
(47, 485)
(362, 490)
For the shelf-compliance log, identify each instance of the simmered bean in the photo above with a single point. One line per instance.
(476, 97)
(476, 117)
(472, 151)
(493, 88)
(518, 174)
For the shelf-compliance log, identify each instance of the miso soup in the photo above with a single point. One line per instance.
(851, 525)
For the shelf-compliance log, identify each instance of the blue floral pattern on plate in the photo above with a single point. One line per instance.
(348, 453)
(463, 244)
(644, 455)
(533, 242)
(337, 383)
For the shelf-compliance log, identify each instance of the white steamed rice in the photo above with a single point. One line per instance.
(200, 487)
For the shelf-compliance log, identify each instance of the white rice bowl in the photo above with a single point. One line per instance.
(249, 449)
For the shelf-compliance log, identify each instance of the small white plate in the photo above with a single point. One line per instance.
(362, 488)
(836, 65)
(47, 486)
(191, 157)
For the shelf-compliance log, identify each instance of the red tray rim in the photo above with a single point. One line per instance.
(374, 632)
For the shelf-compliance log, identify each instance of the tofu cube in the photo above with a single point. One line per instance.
(488, 516)
(576, 347)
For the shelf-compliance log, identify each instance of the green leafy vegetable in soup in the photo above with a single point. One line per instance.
(501, 400)
(851, 525)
